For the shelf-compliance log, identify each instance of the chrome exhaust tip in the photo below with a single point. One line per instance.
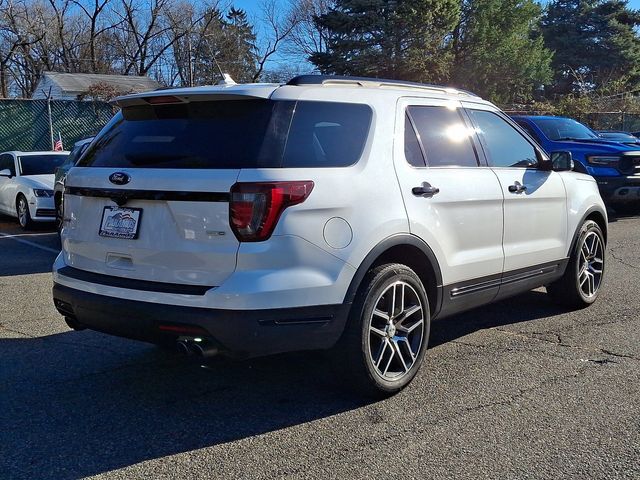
(183, 347)
(203, 348)
(197, 346)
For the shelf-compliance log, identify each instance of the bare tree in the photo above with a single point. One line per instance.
(13, 37)
(278, 25)
(307, 37)
(94, 11)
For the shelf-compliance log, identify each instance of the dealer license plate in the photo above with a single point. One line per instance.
(120, 222)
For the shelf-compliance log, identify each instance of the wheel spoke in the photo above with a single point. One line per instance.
(583, 269)
(410, 329)
(399, 353)
(383, 348)
(408, 313)
(584, 277)
(377, 331)
(381, 314)
(393, 354)
(406, 341)
(393, 302)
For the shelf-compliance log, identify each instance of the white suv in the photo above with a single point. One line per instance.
(330, 212)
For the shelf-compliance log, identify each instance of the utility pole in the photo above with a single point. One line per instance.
(50, 119)
(190, 61)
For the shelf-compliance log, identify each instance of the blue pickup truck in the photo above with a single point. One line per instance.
(614, 165)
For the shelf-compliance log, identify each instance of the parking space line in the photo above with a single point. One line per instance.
(27, 234)
(27, 242)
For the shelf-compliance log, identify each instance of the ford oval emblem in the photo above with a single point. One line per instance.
(119, 178)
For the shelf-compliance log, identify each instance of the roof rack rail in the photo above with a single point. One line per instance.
(371, 82)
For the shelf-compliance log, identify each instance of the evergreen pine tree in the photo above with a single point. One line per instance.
(403, 39)
(594, 41)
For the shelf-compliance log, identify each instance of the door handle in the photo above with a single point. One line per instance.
(425, 190)
(517, 187)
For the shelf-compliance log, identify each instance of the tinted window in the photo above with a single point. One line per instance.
(506, 146)
(563, 129)
(7, 163)
(40, 164)
(324, 134)
(412, 151)
(233, 134)
(445, 138)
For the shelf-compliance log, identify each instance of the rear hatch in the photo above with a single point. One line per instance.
(170, 163)
(169, 167)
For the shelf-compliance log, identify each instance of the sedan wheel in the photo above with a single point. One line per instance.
(22, 209)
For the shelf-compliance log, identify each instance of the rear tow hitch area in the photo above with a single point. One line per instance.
(197, 346)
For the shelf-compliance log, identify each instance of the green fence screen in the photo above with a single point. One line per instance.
(24, 124)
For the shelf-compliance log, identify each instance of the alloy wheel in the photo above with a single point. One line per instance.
(22, 211)
(591, 264)
(396, 331)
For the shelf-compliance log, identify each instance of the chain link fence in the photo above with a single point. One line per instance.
(627, 122)
(25, 124)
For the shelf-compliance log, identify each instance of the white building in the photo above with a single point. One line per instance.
(74, 86)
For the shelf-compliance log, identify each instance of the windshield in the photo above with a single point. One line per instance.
(564, 129)
(233, 134)
(40, 164)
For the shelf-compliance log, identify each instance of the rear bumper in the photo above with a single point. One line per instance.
(237, 333)
(619, 189)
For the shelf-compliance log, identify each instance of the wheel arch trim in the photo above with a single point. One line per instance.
(590, 212)
(397, 240)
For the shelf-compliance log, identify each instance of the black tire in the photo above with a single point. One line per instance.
(24, 216)
(353, 355)
(570, 289)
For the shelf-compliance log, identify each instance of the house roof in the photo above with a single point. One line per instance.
(80, 82)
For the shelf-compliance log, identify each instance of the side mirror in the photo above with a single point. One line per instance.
(562, 161)
(5, 173)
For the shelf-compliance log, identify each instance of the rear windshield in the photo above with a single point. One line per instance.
(40, 164)
(233, 134)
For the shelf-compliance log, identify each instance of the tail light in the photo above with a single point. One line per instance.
(255, 208)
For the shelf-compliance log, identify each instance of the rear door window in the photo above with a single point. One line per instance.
(233, 134)
(445, 137)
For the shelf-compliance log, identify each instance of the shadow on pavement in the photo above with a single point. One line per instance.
(19, 256)
(522, 308)
(81, 403)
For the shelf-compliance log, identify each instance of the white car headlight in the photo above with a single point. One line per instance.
(41, 192)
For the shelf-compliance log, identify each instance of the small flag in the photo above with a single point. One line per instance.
(57, 147)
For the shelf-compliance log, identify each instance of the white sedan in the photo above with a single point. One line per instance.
(26, 185)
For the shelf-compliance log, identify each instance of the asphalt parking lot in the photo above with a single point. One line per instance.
(519, 389)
